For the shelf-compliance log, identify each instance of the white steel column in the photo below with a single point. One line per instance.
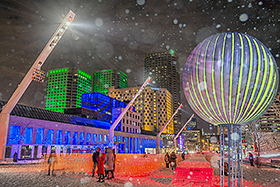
(158, 135)
(174, 140)
(7, 109)
(114, 125)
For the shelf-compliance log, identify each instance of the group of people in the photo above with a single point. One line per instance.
(170, 160)
(105, 164)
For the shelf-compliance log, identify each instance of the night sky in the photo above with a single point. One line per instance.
(118, 33)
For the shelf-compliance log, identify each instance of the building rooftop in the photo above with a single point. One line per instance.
(37, 113)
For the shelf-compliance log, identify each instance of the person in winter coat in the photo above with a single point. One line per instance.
(100, 171)
(166, 159)
(251, 159)
(51, 161)
(109, 163)
(15, 157)
(183, 155)
(172, 160)
(95, 156)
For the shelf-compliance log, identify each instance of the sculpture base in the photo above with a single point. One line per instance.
(231, 163)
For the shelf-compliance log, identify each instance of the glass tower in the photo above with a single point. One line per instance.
(102, 80)
(162, 68)
(65, 88)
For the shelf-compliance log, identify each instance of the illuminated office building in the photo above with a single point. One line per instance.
(109, 109)
(153, 104)
(65, 88)
(162, 68)
(102, 80)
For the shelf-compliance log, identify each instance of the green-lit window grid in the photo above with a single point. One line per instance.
(56, 90)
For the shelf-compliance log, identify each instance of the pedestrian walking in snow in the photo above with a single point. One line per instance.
(251, 159)
(109, 164)
(15, 157)
(101, 171)
(51, 161)
(166, 159)
(95, 156)
(172, 160)
(183, 155)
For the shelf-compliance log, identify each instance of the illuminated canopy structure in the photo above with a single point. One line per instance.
(230, 78)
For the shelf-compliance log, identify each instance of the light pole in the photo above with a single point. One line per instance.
(174, 140)
(7, 109)
(114, 125)
(158, 135)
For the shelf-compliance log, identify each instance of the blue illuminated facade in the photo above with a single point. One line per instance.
(30, 137)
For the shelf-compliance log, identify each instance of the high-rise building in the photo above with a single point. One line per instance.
(102, 80)
(162, 68)
(270, 120)
(65, 88)
(153, 104)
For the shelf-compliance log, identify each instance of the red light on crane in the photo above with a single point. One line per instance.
(181, 106)
(70, 18)
(149, 81)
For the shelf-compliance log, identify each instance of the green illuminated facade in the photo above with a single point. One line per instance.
(65, 88)
(102, 80)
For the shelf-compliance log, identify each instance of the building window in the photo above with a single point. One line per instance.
(94, 137)
(39, 136)
(75, 138)
(50, 136)
(100, 137)
(67, 137)
(59, 137)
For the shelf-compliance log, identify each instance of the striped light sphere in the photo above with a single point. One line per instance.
(230, 78)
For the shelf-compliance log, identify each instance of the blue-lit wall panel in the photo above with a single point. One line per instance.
(127, 145)
(105, 137)
(160, 144)
(75, 138)
(115, 138)
(82, 138)
(14, 137)
(88, 137)
(28, 135)
(94, 137)
(67, 137)
(136, 145)
(119, 139)
(39, 136)
(131, 146)
(59, 137)
(100, 137)
(50, 136)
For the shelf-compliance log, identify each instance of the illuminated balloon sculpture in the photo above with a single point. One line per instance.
(230, 79)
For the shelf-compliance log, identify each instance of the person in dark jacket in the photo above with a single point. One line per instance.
(15, 157)
(166, 159)
(172, 160)
(95, 156)
(251, 159)
(183, 155)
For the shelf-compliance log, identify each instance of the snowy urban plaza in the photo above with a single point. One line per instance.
(139, 93)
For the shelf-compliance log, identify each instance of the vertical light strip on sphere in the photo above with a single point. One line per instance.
(222, 79)
(213, 79)
(248, 79)
(240, 76)
(248, 82)
(259, 60)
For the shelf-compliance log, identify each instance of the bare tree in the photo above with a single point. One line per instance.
(253, 134)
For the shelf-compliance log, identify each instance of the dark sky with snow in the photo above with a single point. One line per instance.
(118, 33)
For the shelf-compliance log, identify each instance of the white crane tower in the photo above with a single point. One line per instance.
(7, 109)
